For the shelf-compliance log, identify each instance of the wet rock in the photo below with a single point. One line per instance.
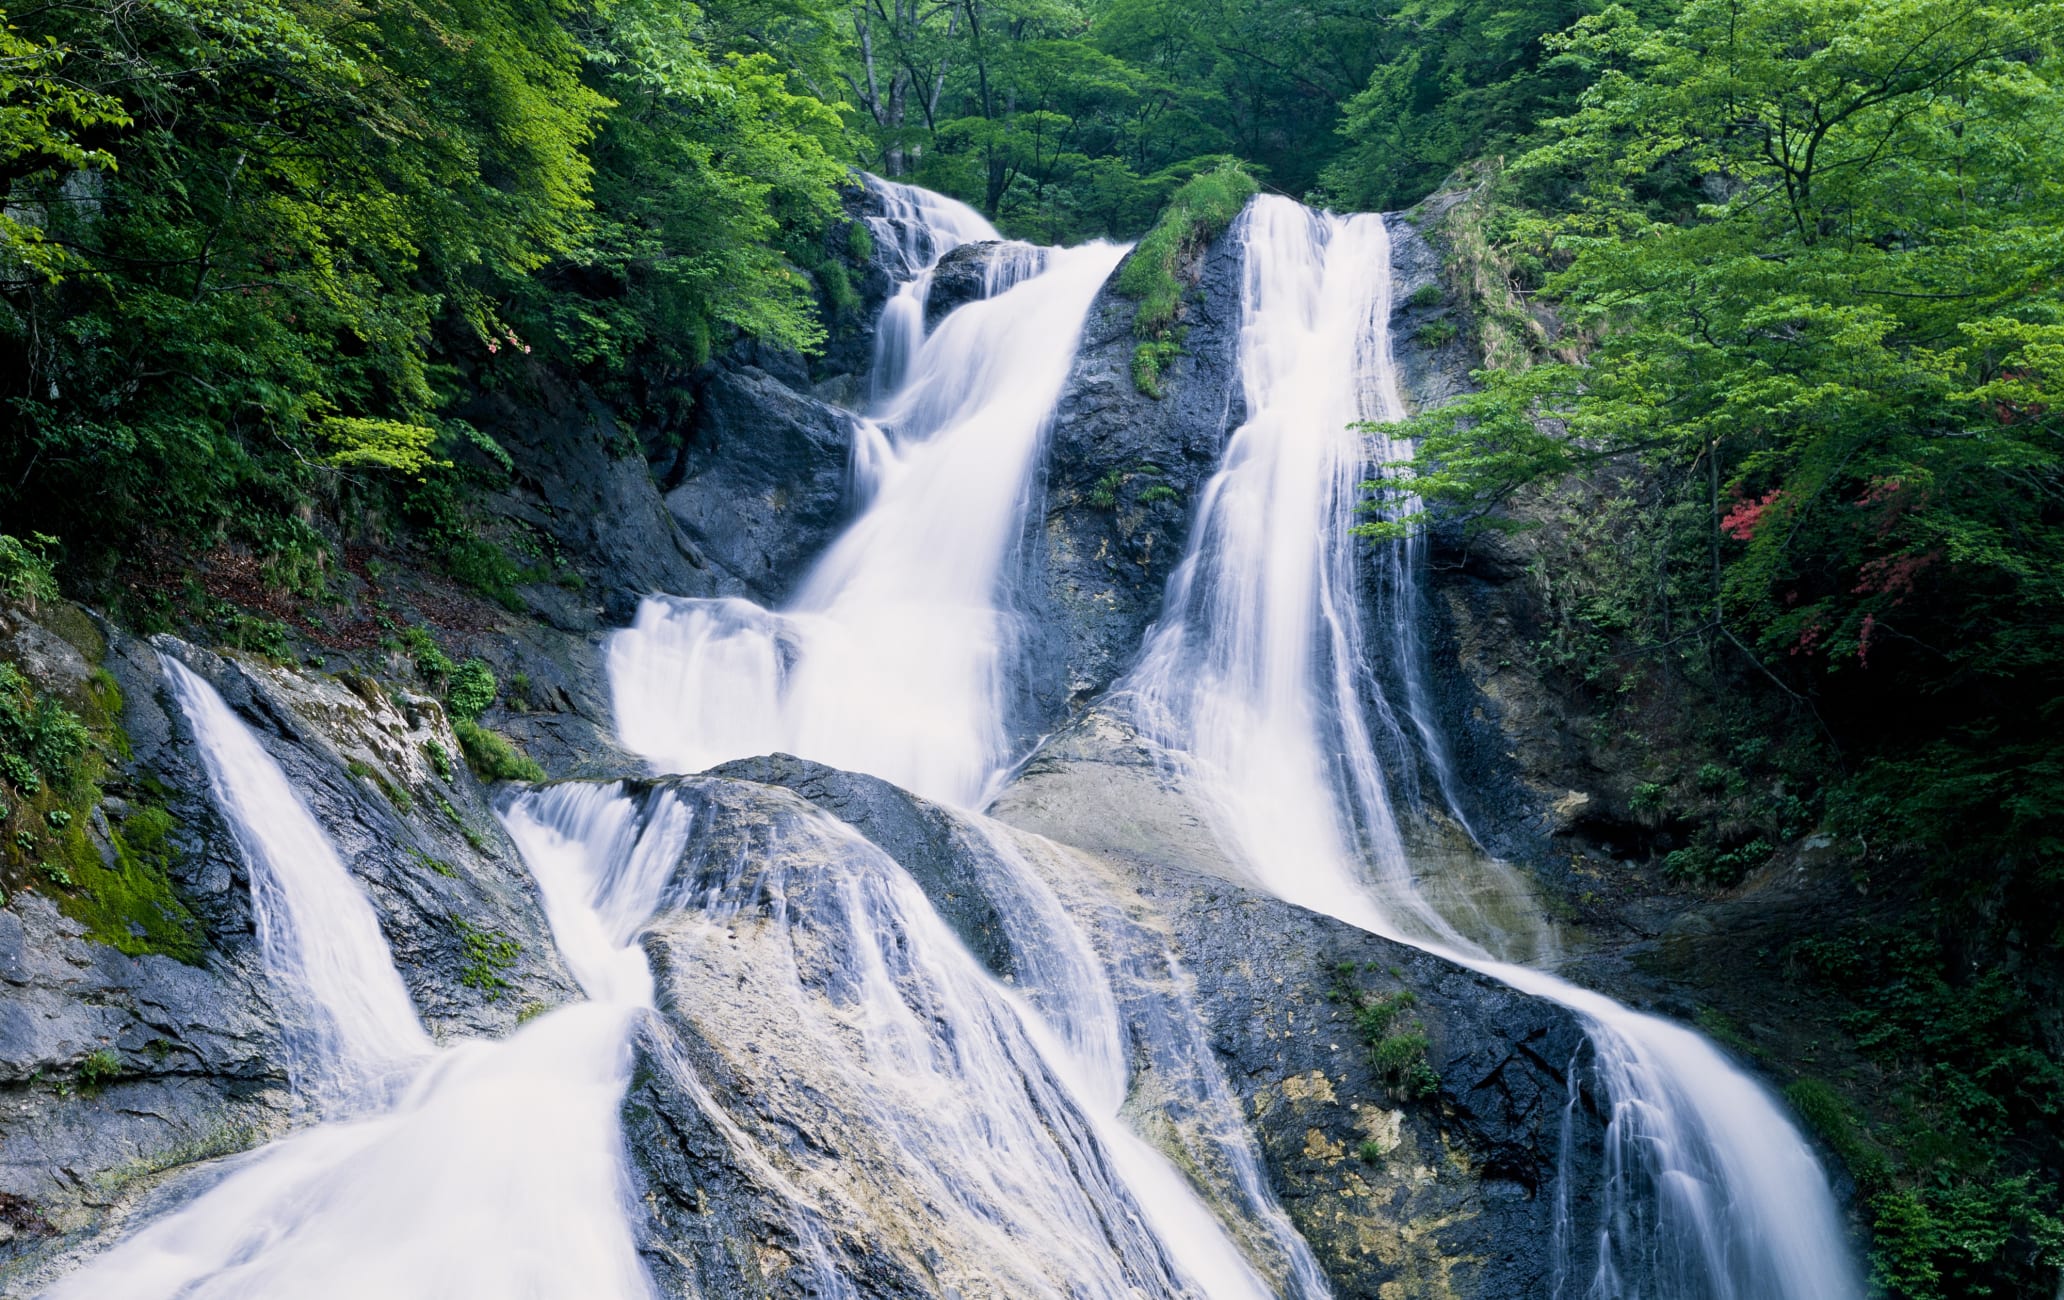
(1403, 1183)
(1451, 1187)
(941, 851)
(457, 907)
(1122, 472)
(760, 488)
(120, 1076)
(961, 277)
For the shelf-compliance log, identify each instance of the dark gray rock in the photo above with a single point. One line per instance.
(961, 277)
(1122, 474)
(579, 480)
(761, 486)
(1448, 1193)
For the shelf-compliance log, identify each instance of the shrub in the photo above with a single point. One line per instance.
(492, 757)
(432, 663)
(471, 691)
(25, 570)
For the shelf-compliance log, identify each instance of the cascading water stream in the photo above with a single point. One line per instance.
(497, 1171)
(891, 658)
(921, 227)
(347, 1021)
(1254, 683)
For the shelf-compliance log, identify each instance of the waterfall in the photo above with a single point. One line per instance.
(1254, 683)
(497, 1171)
(918, 227)
(1000, 1106)
(892, 657)
(346, 1019)
(927, 1083)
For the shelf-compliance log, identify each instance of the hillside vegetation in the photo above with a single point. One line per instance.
(1773, 288)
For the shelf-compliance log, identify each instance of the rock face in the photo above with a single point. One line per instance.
(1122, 472)
(760, 488)
(1238, 1014)
(118, 1073)
(1448, 1192)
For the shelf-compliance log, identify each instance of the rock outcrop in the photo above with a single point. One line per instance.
(1122, 473)
(118, 1073)
(1241, 1014)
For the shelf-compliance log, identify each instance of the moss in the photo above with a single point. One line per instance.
(492, 757)
(860, 241)
(1196, 213)
(438, 865)
(397, 794)
(472, 837)
(486, 954)
(440, 761)
(130, 906)
(1831, 1118)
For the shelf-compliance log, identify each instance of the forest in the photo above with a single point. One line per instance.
(1775, 286)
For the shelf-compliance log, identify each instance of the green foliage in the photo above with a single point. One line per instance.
(432, 663)
(252, 251)
(380, 444)
(1801, 385)
(1149, 358)
(1454, 80)
(1154, 274)
(100, 1068)
(1950, 1161)
(1397, 1043)
(485, 955)
(471, 691)
(26, 576)
(41, 741)
(492, 757)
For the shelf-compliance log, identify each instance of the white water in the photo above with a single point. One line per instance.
(977, 1134)
(1254, 683)
(498, 1171)
(347, 1021)
(1072, 1011)
(919, 227)
(891, 658)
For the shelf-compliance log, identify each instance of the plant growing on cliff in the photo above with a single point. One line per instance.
(1396, 1039)
(1154, 274)
(471, 691)
(492, 757)
(26, 576)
